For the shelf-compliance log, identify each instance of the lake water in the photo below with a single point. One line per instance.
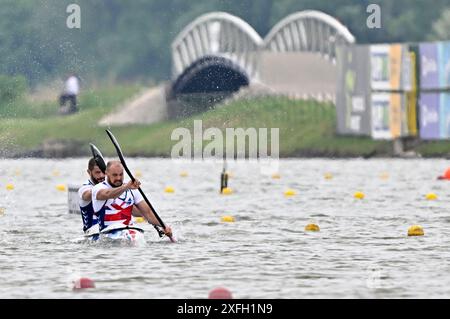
(361, 251)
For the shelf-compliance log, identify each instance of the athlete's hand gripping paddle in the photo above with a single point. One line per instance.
(122, 160)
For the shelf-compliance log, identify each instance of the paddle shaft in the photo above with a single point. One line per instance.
(143, 195)
(124, 164)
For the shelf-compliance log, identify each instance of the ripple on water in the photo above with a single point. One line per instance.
(361, 251)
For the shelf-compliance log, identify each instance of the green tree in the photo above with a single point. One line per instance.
(128, 40)
(11, 88)
(441, 28)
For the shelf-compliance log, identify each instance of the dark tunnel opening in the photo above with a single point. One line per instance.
(205, 83)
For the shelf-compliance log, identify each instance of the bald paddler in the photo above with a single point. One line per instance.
(113, 201)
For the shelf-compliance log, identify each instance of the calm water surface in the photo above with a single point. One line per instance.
(362, 250)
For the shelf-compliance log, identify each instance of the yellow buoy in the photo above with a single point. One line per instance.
(169, 189)
(328, 176)
(139, 220)
(184, 174)
(138, 174)
(56, 173)
(359, 195)
(61, 187)
(227, 191)
(9, 187)
(227, 219)
(2, 211)
(312, 227)
(431, 196)
(289, 192)
(276, 176)
(415, 230)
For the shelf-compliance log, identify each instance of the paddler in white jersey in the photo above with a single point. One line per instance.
(113, 201)
(96, 176)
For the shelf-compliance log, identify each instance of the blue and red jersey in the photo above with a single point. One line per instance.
(117, 210)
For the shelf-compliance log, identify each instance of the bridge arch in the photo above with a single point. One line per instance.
(217, 53)
(203, 84)
(216, 34)
(308, 31)
(211, 74)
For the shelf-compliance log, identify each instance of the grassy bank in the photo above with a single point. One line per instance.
(26, 126)
(307, 128)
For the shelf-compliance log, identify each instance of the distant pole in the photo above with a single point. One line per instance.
(224, 177)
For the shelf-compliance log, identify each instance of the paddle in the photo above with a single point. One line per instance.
(98, 157)
(122, 160)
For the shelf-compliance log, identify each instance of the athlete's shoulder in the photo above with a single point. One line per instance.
(85, 187)
(95, 191)
(88, 183)
(101, 185)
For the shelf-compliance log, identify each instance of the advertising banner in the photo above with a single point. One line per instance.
(390, 67)
(395, 66)
(411, 100)
(380, 73)
(444, 64)
(353, 91)
(389, 118)
(395, 115)
(444, 115)
(381, 116)
(429, 107)
(407, 69)
(429, 72)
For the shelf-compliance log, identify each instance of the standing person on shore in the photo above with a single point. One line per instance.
(70, 92)
(113, 202)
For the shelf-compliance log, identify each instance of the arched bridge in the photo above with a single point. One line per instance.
(308, 31)
(218, 53)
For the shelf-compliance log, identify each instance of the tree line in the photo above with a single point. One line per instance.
(123, 40)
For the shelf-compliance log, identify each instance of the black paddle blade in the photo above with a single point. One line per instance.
(119, 153)
(115, 142)
(98, 157)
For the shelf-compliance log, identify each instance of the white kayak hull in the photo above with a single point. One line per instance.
(120, 235)
(124, 235)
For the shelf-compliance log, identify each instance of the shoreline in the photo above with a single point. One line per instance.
(307, 154)
(306, 130)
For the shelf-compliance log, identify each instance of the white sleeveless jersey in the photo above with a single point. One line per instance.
(87, 212)
(114, 211)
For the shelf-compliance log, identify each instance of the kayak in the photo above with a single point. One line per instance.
(117, 233)
(128, 235)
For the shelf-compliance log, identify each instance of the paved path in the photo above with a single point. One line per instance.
(148, 108)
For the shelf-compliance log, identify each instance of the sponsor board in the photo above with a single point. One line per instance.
(429, 106)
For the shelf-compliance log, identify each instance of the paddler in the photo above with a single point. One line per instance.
(113, 201)
(96, 176)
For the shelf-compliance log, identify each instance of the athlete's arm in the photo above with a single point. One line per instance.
(136, 212)
(110, 193)
(147, 212)
(87, 195)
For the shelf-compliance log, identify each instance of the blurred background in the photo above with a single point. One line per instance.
(123, 49)
(130, 40)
